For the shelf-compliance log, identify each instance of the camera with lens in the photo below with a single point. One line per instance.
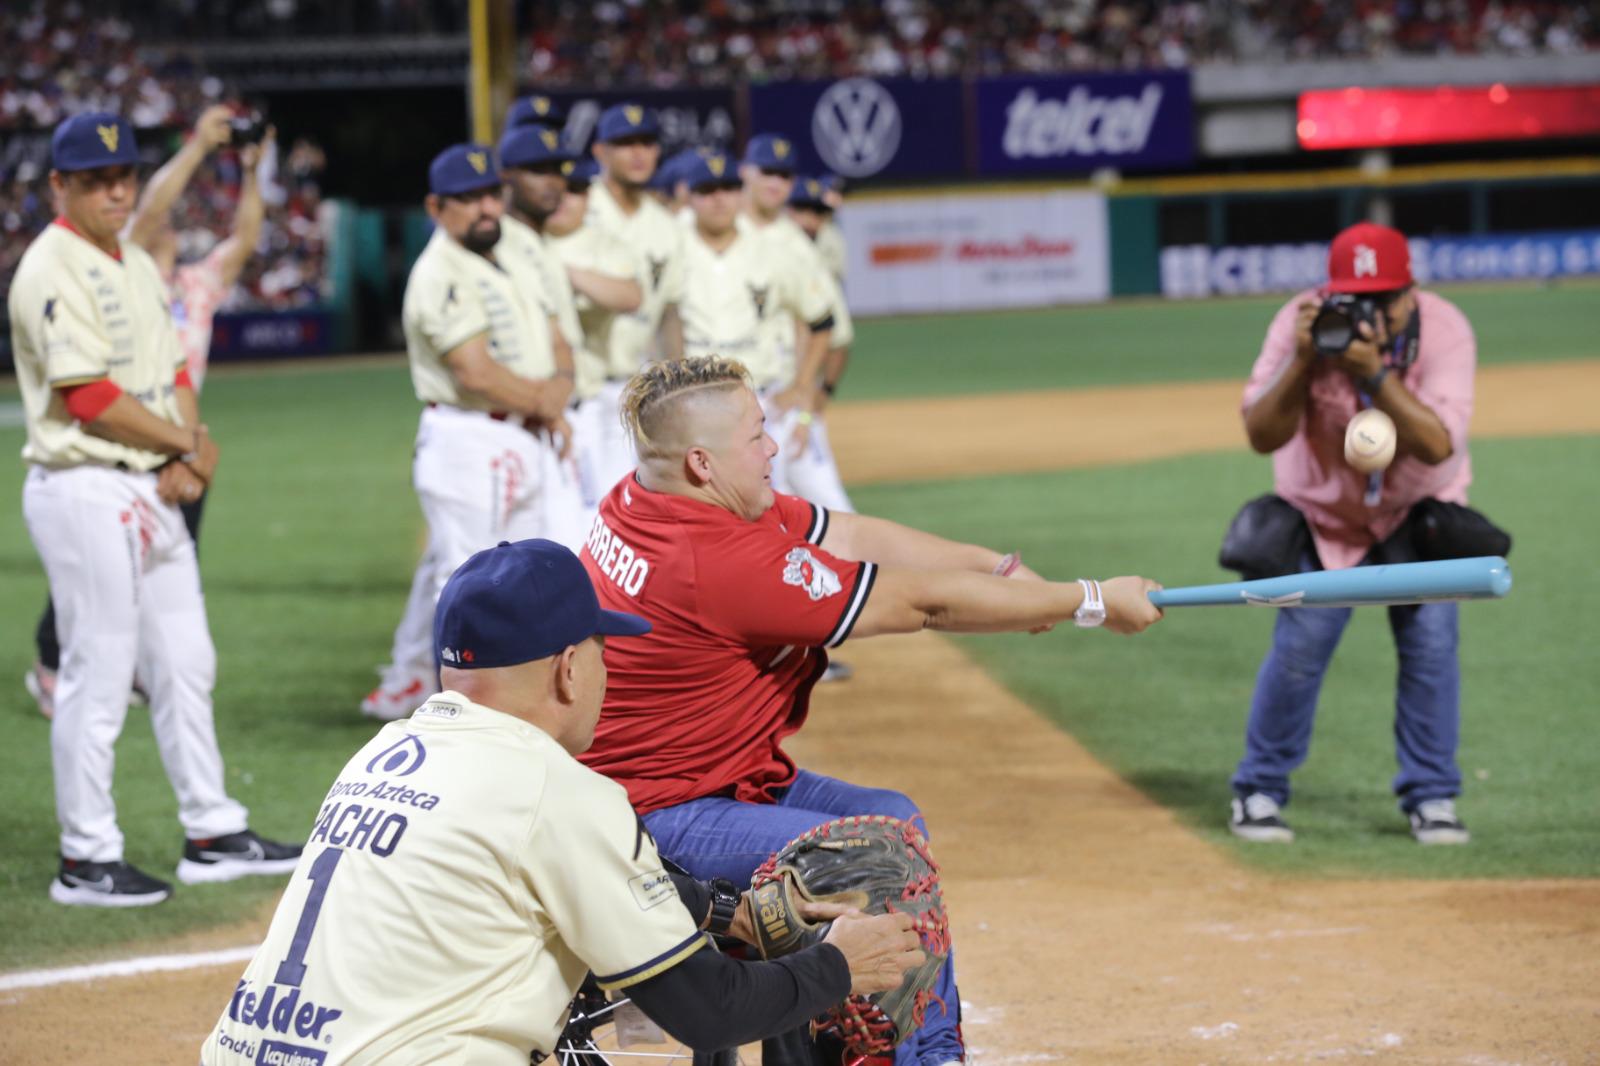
(247, 129)
(1338, 321)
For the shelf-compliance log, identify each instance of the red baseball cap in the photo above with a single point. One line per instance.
(1368, 257)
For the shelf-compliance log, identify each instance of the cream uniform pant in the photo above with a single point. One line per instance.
(480, 481)
(603, 452)
(126, 587)
(812, 476)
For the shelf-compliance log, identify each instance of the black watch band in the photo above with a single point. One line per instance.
(1371, 385)
(725, 897)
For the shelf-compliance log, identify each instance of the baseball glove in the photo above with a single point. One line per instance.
(877, 865)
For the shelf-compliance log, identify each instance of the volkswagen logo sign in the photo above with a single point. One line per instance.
(856, 127)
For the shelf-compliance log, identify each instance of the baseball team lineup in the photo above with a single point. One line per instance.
(640, 559)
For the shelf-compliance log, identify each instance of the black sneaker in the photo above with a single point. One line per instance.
(228, 858)
(106, 884)
(1435, 822)
(1256, 817)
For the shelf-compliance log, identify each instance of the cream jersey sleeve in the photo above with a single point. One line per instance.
(597, 875)
(594, 247)
(80, 315)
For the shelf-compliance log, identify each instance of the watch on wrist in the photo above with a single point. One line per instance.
(725, 897)
(1092, 611)
(1371, 385)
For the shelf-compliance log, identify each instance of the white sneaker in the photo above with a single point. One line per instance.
(397, 695)
(1257, 817)
(1435, 822)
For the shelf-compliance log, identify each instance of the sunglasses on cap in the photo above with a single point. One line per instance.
(635, 139)
(775, 172)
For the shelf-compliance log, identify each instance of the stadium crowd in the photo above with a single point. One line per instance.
(59, 59)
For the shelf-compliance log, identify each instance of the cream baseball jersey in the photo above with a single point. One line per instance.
(596, 248)
(79, 315)
(803, 258)
(737, 301)
(657, 242)
(463, 874)
(454, 295)
(830, 245)
(536, 254)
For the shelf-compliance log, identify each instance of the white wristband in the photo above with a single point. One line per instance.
(1092, 611)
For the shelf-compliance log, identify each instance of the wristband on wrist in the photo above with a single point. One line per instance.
(1008, 564)
(804, 418)
(193, 454)
(1092, 611)
(725, 896)
(828, 388)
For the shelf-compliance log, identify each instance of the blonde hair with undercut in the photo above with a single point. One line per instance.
(653, 395)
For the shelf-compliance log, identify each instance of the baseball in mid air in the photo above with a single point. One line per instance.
(1369, 441)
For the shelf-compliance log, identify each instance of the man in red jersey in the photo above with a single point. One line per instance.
(745, 588)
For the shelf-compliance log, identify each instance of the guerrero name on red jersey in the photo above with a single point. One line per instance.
(700, 705)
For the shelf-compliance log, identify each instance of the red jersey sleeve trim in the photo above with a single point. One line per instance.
(89, 401)
(183, 381)
(819, 525)
(865, 576)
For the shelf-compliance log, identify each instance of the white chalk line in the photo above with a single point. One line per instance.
(99, 971)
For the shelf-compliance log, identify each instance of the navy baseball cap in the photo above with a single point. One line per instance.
(526, 146)
(534, 110)
(626, 120)
(516, 603)
(711, 169)
(770, 151)
(93, 139)
(672, 171)
(809, 192)
(462, 168)
(581, 171)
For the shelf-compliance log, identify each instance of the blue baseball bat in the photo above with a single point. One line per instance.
(1486, 577)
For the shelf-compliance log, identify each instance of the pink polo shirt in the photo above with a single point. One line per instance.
(1310, 472)
(197, 292)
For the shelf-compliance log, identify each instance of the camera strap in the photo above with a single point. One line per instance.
(1404, 350)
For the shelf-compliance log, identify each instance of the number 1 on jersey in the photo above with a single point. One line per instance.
(293, 968)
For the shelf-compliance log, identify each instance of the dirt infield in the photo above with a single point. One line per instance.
(1095, 929)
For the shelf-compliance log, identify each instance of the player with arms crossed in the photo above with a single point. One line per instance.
(115, 443)
(483, 361)
(744, 589)
(465, 871)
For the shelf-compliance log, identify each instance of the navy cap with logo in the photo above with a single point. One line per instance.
(516, 603)
(462, 168)
(626, 120)
(770, 151)
(809, 192)
(581, 171)
(93, 139)
(534, 110)
(710, 171)
(527, 146)
(672, 171)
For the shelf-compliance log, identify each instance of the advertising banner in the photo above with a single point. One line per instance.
(689, 118)
(1053, 124)
(973, 252)
(867, 127)
(253, 334)
(1198, 270)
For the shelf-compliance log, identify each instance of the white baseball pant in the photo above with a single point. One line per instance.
(813, 475)
(126, 588)
(603, 451)
(480, 481)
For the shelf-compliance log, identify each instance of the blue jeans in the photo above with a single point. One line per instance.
(1427, 719)
(719, 837)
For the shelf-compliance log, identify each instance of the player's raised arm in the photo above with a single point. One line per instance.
(906, 600)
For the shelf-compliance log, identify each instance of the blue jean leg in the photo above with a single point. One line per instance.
(1278, 735)
(1427, 706)
(719, 837)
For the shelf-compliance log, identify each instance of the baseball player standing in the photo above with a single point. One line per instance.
(115, 442)
(744, 589)
(196, 289)
(483, 362)
(628, 149)
(806, 465)
(604, 285)
(465, 871)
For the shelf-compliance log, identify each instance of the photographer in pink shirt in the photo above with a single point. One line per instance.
(1412, 355)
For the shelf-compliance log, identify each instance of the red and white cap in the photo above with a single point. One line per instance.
(1368, 257)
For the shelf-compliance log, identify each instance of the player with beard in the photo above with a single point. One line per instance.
(483, 354)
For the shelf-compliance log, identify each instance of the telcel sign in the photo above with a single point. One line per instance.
(1056, 124)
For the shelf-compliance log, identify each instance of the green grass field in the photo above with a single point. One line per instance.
(312, 533)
